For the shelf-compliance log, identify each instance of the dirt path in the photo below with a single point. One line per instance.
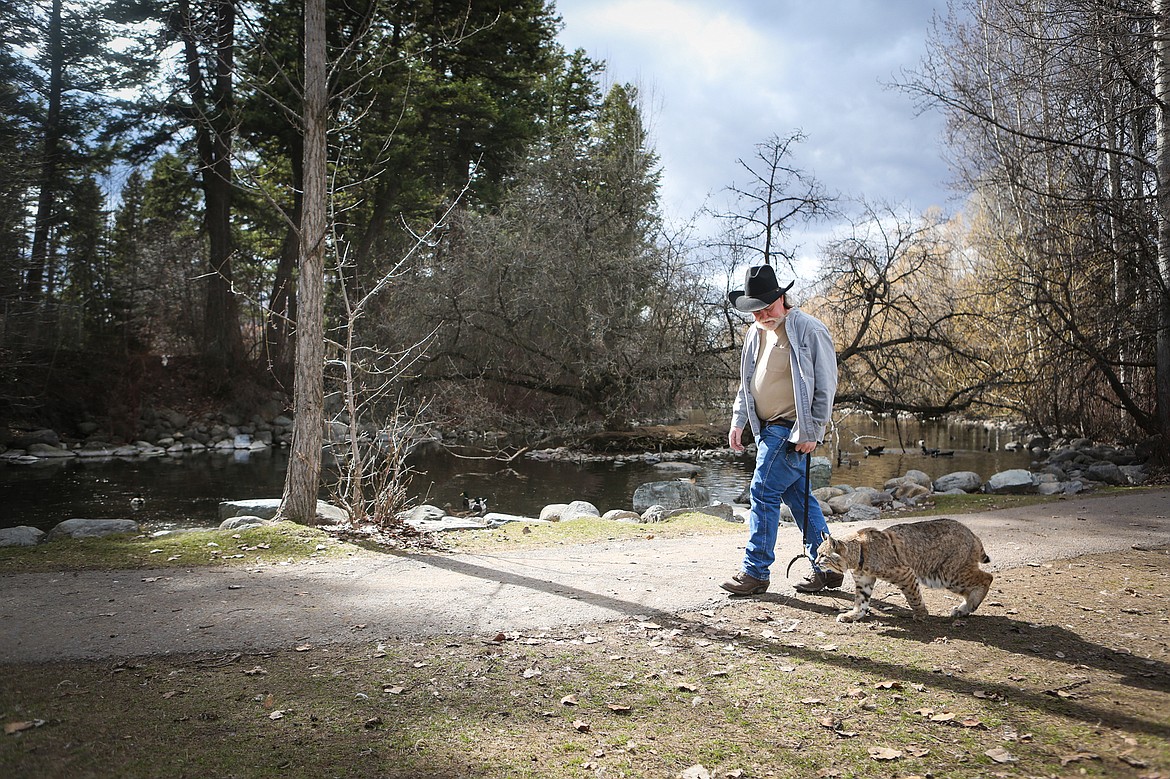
(91, 615)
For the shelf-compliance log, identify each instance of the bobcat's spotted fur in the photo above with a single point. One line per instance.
(939, 553)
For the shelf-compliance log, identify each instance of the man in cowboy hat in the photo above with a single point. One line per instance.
(788, 378)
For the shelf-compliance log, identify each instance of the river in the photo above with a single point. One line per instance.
(185, 490)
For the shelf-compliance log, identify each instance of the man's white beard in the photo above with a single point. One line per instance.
(772, 324)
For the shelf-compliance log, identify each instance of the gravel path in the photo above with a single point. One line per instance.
(120, 614)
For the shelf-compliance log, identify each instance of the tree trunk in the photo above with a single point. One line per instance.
(214, 128)
(304, 469)
(1162, 93)
(50, 163)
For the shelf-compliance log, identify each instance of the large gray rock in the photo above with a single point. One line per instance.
(497, 519)
(670, 495)
(622, 515)
(266, 508)
(908, 491)
(860, 513)
(1016, 481)
(722, 511)
(25, 439)
(967, 481)
(48, 451)
(91, 528)
(553, 511)
(1108, 472)
(447, 524)
(655, 514)
(918, 477)
(241, 522)
(821, 472)
(580, 509)
(21, 536)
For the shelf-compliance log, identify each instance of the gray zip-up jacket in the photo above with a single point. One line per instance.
(814, 377)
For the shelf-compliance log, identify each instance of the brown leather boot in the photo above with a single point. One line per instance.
(820, 580)
(743, 584)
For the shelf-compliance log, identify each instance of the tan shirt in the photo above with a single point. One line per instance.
(772, 387)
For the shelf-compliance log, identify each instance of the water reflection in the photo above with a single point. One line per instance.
(186, 491)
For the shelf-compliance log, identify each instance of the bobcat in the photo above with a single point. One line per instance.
(936, 553)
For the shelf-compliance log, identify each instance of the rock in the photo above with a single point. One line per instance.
(447, 524)
(1108, 472)
(722, 511)
(654, 514)
(496, 519)
(967, 481)
(266, 508)
(670, 495)
(580, 509)
(47, 451)
(860, 513)
(862, 496)
(240, 522)
(424, 511)
(622, 515)
(909, 491)
(553, 511)
(821, 472)
(827, 493)
(25, 439)
(1016, 481)
(1136, 474)
(91, 528)
(22, 535)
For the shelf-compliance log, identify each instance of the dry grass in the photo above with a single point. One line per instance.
(1064, 671)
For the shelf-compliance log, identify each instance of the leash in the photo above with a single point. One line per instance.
(807, 495)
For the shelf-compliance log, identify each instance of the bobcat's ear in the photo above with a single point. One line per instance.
(825, 536)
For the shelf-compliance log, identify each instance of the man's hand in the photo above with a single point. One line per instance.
(735, 439)
(804, 447)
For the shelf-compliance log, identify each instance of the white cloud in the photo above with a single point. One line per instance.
(721, 77)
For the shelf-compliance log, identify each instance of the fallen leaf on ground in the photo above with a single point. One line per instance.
(278, 714)
(569, 700)
(393, 690)
(1129, 759)
(17, 727)
(581, 726)
(618, 708)
(695, 772)
(888, 685)
(257, 671)
(1077, 757)
(531, 672)
(304, 647)
(884, 753)
(1000, 755)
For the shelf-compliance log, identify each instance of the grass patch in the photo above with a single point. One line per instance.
(585, 531)
(278, 542)
(1063, 671)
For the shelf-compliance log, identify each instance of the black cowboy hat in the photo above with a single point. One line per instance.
(760, 290)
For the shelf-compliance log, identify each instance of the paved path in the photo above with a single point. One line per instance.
(93, 615)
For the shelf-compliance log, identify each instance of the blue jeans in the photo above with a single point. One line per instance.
(779, 477)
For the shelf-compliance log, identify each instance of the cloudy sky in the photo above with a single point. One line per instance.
(720, 76)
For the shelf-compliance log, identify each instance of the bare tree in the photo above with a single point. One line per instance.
(1058, 128)
(904, 313)
(776, 197)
